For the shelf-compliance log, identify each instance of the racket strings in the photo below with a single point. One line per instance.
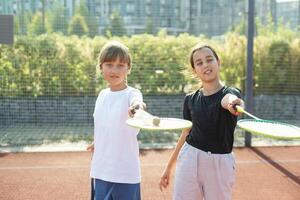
(165, 124)
(270, 128)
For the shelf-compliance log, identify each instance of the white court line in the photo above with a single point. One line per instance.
(264, 161)
(45, 167)
(243, 162)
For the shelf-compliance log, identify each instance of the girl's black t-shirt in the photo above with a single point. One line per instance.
(213, 126)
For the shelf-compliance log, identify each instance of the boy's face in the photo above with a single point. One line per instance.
(206, 65)
(115, 73)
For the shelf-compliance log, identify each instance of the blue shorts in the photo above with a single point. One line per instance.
(104, 190)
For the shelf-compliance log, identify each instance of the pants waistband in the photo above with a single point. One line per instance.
(209, 152)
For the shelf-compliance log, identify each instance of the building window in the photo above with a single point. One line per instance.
(130, 8)
(116, 8)
(148, 10)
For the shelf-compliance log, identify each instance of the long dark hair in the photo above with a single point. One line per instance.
(199, 47)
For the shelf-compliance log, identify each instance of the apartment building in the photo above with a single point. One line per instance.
(206, 17)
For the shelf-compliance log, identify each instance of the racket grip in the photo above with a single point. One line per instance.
(134, 108)
(238, 108)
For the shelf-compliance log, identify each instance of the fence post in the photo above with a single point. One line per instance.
(249, 79)
(7, 29)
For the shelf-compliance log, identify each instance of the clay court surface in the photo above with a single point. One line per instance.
(265, 173)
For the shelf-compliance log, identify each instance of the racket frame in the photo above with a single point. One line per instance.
(154, 128)
(265, 134)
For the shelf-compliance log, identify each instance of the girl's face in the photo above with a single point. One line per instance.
(206, 66)
(115, 73)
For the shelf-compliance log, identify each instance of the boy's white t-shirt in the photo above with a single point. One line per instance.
(116, 153)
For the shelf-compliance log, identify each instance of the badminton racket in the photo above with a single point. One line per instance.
(144, 120)
(268, 128)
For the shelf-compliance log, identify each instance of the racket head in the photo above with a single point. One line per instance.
(268, 128)
(165, 124)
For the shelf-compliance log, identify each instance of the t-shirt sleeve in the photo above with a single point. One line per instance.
(135, 95)
(235, 91)
(186, 109)
(96, 103)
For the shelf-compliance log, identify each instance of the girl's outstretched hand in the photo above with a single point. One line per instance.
(229, 102)
(132, 108)
(165, 179)
(91, 148)
(232, 106)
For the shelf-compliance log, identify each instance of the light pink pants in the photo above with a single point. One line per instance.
(203, 175)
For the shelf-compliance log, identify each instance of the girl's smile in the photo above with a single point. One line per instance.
(206, 65)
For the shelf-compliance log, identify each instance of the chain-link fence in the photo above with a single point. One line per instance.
(49, 80)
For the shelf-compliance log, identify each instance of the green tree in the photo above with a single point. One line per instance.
(81, 9)
(267, 29)
(78, 26)
(275, 73)
(22, 22)
(16, 25)
(117, 27)
(37, 26)
(149, 28)
(233, 59)
(93, 23)
(22, 18)
(240, 28)
(91, 20)
(58, 19)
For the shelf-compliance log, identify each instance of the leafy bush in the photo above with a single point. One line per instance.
(56, 65)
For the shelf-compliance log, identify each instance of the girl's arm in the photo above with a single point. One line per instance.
(136, 105)
(229, 101)
(165, 178)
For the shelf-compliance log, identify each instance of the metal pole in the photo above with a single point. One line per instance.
(7, 29)
(249, 71)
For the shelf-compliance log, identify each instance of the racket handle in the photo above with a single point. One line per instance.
(242, 110)
(239, 108)
(137, 107)
(134, 108)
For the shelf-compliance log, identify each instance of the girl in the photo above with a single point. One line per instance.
(206, 166)
(115, 167)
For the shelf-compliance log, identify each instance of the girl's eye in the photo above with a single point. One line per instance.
(209, 60)
(199, 63)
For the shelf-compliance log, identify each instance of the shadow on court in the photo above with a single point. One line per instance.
(278, 166)
(262, 173)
